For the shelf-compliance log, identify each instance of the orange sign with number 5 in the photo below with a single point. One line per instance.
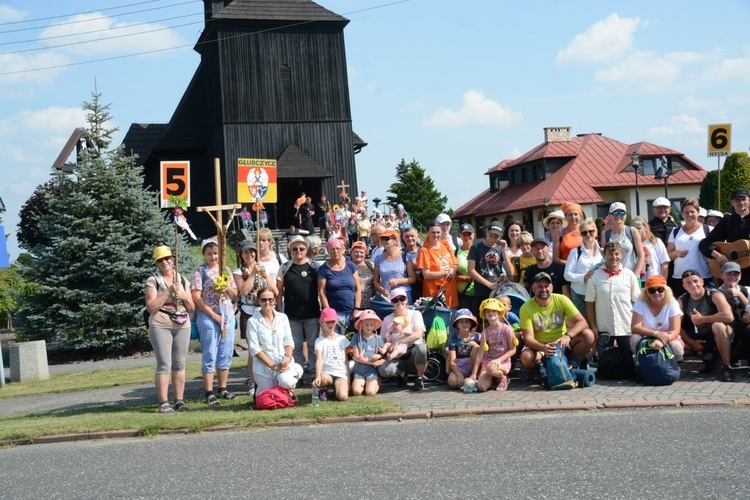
(175, 181)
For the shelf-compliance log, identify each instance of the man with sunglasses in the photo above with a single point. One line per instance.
(297, 283)
(610, 294)
(705, 324)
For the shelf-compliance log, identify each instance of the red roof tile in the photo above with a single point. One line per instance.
(597, 163)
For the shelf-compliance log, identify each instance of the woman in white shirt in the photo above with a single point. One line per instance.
(655, 257)
(581, 264)
(683, 247)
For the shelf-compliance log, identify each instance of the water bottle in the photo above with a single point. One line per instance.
(315, 396)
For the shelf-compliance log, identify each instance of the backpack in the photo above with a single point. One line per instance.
(737, 309)
(438, 334)
(275, 398)
(628, 231)
(655, 367)
(286, 265)
(616, 363)
(557, 371)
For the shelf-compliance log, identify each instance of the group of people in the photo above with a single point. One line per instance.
(589, 290)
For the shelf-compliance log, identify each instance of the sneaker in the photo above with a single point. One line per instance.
(418, 385)
(324, 394)
(212, 400)
(225, 394)
(180, 406)
(165, 408)
(727, 374)
(710, 362)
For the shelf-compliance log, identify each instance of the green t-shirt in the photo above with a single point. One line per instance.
(548, 323)
(465, 287)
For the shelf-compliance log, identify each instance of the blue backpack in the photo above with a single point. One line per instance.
(557, 370)
(655, 367)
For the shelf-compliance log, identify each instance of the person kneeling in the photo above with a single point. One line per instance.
(331, 367)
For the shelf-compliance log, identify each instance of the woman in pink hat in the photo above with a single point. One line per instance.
(365, 345)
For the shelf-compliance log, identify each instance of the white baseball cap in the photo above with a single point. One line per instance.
(662, 202)
(443, 218)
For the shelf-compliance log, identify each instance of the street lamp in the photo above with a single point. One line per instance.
(376, 201)
(663, 171)
(636, 157)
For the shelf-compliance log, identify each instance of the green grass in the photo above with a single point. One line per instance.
(98, 379)
(144, 418)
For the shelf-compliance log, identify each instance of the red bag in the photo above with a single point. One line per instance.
(275, 398)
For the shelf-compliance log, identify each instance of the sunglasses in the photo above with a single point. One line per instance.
(619, 213)
(267, 299)
(656, 289)
(299, 249)
(163, 259)
(387, 238)
(589, 232)
(398, 299)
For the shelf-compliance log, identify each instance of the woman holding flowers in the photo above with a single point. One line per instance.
(213, 290)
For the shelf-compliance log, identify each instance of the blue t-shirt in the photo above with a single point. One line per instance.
(463, 350)
(340, 287)
(366, 347)
(390, 269)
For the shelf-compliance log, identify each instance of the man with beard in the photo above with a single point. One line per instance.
(549, 320)
(540, 251)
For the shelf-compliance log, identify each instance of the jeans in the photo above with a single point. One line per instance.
(216, 352)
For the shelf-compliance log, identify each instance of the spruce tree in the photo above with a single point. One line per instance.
(734, 175)
(415, 190)
(90, 267)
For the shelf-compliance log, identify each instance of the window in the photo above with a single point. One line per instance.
(524, 175)
(494, 183)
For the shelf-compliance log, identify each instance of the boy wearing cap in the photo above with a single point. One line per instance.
(548, 320)
(730, 229)
(737, 295)
(705, 323)
(488, 264)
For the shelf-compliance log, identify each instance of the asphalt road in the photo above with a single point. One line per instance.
(657, 453)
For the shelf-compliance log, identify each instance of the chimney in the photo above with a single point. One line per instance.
(556, 134)
(211, 7)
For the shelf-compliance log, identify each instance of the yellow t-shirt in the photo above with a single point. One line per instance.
(548, 323)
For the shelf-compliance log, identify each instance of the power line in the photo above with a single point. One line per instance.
(124, 56)
(87, 12)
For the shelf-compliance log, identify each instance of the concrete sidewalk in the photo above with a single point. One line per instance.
(692, 389)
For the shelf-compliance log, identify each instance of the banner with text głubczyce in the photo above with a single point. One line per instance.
(256, 180)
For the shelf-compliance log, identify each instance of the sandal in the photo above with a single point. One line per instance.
(165, 408)
(225, 394)
(212, 400)
(180, 406)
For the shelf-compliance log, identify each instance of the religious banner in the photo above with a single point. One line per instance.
(256, 180)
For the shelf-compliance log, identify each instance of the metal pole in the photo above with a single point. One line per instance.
(637, 194)
(666, 188)
(718, 167)
(2, 369)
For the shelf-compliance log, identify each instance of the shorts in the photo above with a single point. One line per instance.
(464, 366)
(365, 372)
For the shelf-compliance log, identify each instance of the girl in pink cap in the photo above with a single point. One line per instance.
(331, 366)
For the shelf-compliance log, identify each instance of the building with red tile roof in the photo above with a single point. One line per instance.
(589, 169)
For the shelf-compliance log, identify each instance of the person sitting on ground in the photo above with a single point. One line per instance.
(498, 345)
(570, 236)
(705, 325)
(250, 277)
(628, 238)
(366, 345)
(168, 302)
(392, 348)
(270, 342)
(489, 265)
(439, 266)
(662, 224)
(732, 228)
(683, 247)
(246, 217)
(331, 365)
(215, 313)
(581, 264)
(737, 296)
(544, 264)
(415, 359)
(549, 320)
(657, 314)
(655, 257)
(463, 349)
(610, 294)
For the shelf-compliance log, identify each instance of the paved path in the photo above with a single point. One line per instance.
(692, 388)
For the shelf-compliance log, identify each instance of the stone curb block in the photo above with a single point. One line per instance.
(342, 420)
(291, 423)
(167, 432)
(741, 401)
(640, 404)
(456, 413)
(493, 410)
(219, 428)
(399, 416)
(705, 402)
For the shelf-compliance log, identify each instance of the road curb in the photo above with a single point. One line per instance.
(415, 415)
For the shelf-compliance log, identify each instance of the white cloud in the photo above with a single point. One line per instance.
(8, 14)
(646, 70)
(111, 37)
(604, 41)
(475, 110)
(728, 70)
(34, 138)
(19, 65)
(681, 124)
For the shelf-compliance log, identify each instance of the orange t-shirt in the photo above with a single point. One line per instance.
(568, 242)
(438, 259)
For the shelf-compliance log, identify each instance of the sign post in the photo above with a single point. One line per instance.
(719, 144)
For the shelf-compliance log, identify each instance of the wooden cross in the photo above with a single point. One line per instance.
(221, 229)
(343, 187)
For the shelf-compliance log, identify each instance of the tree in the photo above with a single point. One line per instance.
(734, 175)
(29, 234)
(416, 192)
(707, 197)
(91, 264)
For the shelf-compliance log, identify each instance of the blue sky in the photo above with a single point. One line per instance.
(457, 85)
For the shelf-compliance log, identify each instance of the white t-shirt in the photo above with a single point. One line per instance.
(415, 322)
(660, 322)
(333, 354)
(657, 255)
(694, 258)
(272, 267)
